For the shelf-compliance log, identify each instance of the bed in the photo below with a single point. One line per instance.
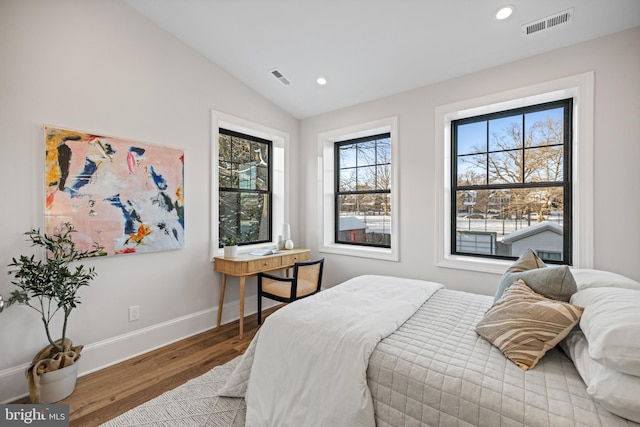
(314, 364)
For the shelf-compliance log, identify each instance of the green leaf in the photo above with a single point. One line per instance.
(50, 285)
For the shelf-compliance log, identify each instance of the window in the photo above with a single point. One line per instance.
(358, 210)
(224, 212)
(511, 183)
(363, 191)
(548, 255)
(578, 168)
(244, 179)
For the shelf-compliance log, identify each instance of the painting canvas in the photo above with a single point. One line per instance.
(127, 196)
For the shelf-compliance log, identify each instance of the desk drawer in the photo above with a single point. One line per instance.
(293, 258)
(263, 264)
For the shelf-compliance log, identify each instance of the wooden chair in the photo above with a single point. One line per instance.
(306, 280)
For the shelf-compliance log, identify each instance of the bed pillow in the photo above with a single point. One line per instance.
(525, 325)
(552, 282)
(611, 324)
(616, 392)
(586, 279)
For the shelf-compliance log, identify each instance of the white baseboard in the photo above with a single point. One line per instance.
(102, 354)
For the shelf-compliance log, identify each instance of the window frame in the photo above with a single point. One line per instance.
(566, 182)
(280, 175)
(268, 192)
(326, 190)
(338, 193)
(580, 88)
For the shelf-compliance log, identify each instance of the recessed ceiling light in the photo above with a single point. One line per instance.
(504, 12)
(321, 81)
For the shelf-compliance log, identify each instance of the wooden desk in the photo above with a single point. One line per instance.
(246, 265)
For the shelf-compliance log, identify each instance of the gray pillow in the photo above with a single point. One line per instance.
(553, 282)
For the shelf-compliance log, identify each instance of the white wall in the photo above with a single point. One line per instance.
(616, 64)
(101, 67)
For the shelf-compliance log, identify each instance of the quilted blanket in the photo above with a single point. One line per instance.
(436, 371)
(307, 366)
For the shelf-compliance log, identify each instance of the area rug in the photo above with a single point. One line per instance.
(194, 403)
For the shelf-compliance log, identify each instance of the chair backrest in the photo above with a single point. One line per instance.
(309, 272)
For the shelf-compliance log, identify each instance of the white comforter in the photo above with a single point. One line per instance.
(311, 357)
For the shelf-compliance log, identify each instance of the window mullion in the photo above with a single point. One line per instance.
(524, 152)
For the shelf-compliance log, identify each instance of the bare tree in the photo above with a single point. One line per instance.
(517, 158)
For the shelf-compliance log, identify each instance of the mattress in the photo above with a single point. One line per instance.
(436, 371)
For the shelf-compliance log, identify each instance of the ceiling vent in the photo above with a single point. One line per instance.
(559, 18)
(278, 75)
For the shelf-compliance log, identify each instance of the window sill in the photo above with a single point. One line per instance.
(481, 265)
(243, 250)
(361, 251)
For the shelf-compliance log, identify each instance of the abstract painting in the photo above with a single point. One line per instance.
(127, 196)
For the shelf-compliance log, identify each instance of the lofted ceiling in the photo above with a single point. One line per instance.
(369, 49)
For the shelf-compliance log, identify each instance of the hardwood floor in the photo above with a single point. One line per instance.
(103, 395)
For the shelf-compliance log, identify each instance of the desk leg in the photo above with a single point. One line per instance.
(241, 306)
(224, 282)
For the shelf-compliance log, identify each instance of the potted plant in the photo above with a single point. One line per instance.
(230, 247)
(50, 286)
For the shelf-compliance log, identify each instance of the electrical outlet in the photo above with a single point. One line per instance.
(134, 313)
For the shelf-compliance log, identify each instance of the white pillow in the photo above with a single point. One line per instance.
(616, 392)
(611, 324)
(598, 279)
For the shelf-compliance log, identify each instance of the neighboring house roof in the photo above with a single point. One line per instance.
(351, 223)
(533, 230)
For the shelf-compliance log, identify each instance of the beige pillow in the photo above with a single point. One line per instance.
(525, 325)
